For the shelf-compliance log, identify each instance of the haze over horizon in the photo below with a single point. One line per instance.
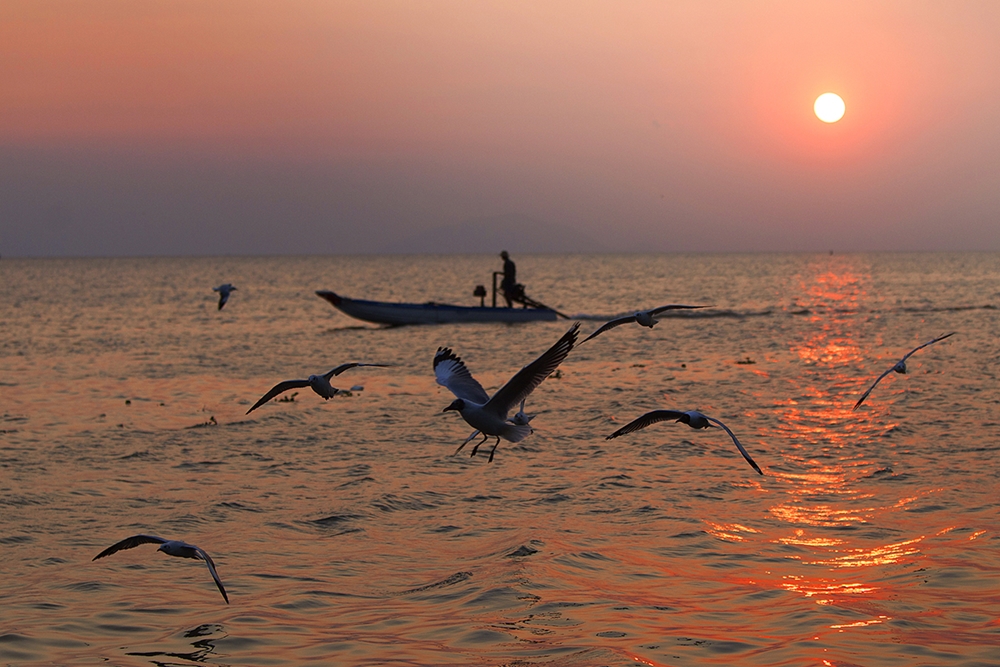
(301, 127)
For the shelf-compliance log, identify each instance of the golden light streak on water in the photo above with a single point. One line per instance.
(861, 624)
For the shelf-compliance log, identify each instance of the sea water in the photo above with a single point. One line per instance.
(349, 532)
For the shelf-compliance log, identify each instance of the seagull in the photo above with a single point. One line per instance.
(899, 367)
(319, 383)
(489, 414)
(519, 419)
(169, 547)
(646, 318)
(692, 418)
(224, 290)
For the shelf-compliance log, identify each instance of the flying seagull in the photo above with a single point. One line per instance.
(319, 383)
(646, 318)
(692, 418)
(224, 290)
(899, 367)
(520, 418)
(489, 414)
(169, 547)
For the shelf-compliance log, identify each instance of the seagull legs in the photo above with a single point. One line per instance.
(469, 439)
(494, 449)
(485, 437)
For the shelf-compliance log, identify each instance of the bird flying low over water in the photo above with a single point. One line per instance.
(489, 414)
(898, 367)
(692, 418)
(169, 547)
(520, 418)
(224, 290)
(646, 318)
(319, 383)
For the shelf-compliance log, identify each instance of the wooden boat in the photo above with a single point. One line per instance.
(382, 312)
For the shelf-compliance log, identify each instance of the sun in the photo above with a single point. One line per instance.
(829, 107)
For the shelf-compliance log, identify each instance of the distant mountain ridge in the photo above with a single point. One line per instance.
(516, 233)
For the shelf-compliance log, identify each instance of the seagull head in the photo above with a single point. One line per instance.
(169, 548)
(900, 367)
(645, 318)
(695, 419)
(458, 404)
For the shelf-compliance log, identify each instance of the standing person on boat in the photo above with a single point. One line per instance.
(509, 283)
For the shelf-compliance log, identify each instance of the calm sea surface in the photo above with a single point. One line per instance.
(348, 532)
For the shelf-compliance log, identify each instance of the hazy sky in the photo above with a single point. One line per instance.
(138, 127)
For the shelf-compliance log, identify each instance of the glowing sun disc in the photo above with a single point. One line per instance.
(829, 107)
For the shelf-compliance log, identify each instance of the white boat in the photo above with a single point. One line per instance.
(382, 312)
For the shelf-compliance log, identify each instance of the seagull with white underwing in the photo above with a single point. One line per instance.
(319, 383)
(692, 418)
(488, 414)
(646, 318)
(898, 367)
(171, 548)
(224, 291)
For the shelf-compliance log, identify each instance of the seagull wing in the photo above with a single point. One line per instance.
(610, 324)
(879, 379)
(646, 420)
(451, 372)
(223, 298)
(657, 311)
(343, 367)
(525, 380)
(211, 568)
(738, 445)
(130, 543)
(277, 389)
(919, 347)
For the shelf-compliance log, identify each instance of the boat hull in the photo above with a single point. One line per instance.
(396, 314)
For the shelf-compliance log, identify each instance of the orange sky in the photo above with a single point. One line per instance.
(631, 122)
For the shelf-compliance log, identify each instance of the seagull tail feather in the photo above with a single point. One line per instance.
(516, 432)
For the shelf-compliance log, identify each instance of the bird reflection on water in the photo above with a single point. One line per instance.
(204, 648)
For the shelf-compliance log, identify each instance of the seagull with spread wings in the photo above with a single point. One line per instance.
(319, 383)
(646, 318)
(224, 291)
(488, 414)
(171, 548)
(898, 367)
(692, 418)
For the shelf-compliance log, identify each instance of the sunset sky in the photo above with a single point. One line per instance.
(173, 127)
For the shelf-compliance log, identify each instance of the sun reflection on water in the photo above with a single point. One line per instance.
(730, 532)
(823, 589)
(800, 539)
(880, 555)
(825, 461)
